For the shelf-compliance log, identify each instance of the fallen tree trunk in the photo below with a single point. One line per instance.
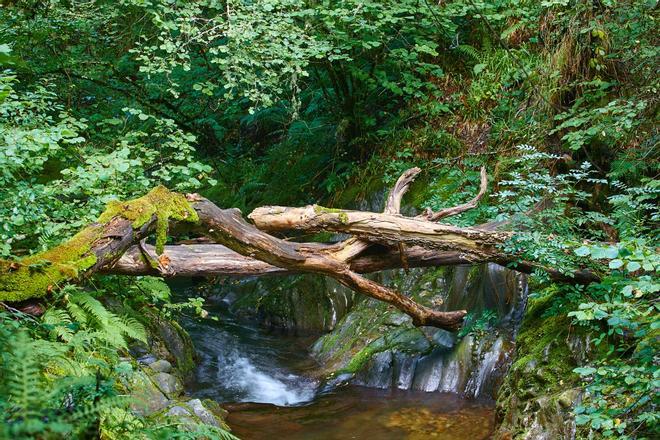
(115, 244)
(199, 260)
(386, 229)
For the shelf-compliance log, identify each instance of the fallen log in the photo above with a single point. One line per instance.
(199, 260)
(116, 244)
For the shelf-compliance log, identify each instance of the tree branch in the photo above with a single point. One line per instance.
(454, 210)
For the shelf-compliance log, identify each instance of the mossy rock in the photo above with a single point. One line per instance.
(170, 341)
(540, 389)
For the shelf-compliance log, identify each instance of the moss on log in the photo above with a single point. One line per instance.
(98, 244)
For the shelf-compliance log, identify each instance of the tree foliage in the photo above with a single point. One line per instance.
(292, 101)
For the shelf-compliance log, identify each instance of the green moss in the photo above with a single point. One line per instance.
(543, 369)
(160, 203)
(362, 357)
(323, 210)
(37, 275)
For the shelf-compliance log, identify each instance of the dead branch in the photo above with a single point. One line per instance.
(454, 210)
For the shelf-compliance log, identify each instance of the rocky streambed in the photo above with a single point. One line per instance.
(355, 360)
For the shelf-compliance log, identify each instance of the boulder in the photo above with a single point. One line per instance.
(147, 398)
(161, 366)
(200, 411)
(168, 384)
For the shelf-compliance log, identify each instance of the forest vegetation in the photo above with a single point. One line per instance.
(251, 104)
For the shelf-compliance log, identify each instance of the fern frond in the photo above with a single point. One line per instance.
(111, 335)
(133, 328)
(93, 307)
(77, 313)
(470, 51)
(60, 321)
(67, 366)
(23, 378)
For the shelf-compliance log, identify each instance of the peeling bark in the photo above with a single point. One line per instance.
(235, 247)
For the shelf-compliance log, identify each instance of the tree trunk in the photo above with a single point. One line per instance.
(116, 244)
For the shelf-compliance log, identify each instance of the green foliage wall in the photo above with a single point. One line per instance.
(293, 101)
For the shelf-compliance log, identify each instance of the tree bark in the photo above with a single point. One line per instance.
(115, 244)
(199, 260)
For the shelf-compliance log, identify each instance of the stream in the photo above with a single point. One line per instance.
(266, 381)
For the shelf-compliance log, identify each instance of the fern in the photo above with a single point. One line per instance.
(59, 322)
(22, 376)
(470, 52)
(111, 328)
(77, 313)
(133, 329)
(93, 307)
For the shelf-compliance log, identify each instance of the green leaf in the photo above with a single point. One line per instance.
(582, 251)
(478, 68)
(584, 371)
(615, 264)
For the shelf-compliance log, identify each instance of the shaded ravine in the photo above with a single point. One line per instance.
(272, 382)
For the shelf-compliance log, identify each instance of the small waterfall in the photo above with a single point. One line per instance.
(251, 382)
(239, 363)
(434, 360)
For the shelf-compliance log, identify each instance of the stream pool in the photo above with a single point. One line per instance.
(267, 383)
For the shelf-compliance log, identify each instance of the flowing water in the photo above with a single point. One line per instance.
(266, 380)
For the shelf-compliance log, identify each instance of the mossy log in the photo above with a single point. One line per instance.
(96, 246)
(115, 244)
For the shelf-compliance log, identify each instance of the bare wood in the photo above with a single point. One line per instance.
(199, 260)
(227, 227)
(387, 229)
(393, 203)
(454, 210)
(353, 247)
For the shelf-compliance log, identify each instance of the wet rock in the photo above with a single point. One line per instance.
(305, 304)
(176, 343)
(378, 373)
(168, 384)
(397, 319)
(183, 414)
(336, 381)
(426, 358)
(544, 411)
(404, 370)
(147, 359)
(138, 349)
(200, 411)
(161, 366)
(444, 339)
(411, 340)
(178, 410)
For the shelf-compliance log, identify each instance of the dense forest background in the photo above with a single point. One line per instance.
(298, 101)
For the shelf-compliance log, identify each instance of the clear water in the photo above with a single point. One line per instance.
(267, 382)
(240, 363)
(367, 413)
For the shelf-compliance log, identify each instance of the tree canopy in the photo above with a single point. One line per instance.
(301, 102)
